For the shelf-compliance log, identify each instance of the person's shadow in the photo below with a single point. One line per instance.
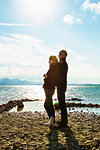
(67, 143)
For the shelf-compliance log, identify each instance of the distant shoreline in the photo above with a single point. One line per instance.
(42, 84)
(7, 81)
(84, 84)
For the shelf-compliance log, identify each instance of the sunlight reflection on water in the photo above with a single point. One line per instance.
(90, 94)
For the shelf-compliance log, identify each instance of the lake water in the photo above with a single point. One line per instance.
(89, 94)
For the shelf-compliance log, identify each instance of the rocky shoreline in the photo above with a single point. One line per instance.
(27, 131)
(14, 103)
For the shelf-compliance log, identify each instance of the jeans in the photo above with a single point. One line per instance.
(62, 104)
(48, 104)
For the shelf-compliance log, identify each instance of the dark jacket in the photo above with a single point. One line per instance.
(61, 77)
(49, 83)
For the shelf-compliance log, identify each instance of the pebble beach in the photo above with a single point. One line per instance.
(27, 131)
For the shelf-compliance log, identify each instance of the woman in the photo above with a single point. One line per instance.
(49, 88)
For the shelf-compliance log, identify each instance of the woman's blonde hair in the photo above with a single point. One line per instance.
(54, 58)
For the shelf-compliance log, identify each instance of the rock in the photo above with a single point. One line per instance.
(20, 108)
(20, 104)
(96, 142)
(28, 131)
(0, 116)
(74, 99)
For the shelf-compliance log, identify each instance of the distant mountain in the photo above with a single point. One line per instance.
(84, 84)
(6, 81)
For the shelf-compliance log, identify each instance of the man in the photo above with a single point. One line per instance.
(61, 82)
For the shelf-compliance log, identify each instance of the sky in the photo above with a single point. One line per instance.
(32, 30)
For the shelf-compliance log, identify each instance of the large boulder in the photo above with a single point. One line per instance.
(20, 104)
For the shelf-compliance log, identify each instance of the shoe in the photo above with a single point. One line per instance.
(47, 124)
(51, 122)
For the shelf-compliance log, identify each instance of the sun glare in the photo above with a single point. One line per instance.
(38, 10)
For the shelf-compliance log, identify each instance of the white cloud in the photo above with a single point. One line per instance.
(23, 55)
(70, 19)
(26, 57)
(80, 68)
(94, 7)
(15, 24)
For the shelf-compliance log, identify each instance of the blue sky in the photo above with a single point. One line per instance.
(32, 30)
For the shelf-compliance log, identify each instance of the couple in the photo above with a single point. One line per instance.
(56, 77)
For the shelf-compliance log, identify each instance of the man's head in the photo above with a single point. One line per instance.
(62, 54)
